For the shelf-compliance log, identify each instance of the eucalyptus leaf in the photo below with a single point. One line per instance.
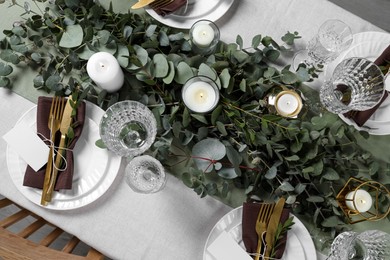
(286, 186)
(5, 82)
(256, 41)
(53, 81)
(225, 78)
(227, 173)
(161, 64)
(205, 70)
(315, 199)
(183, 73)
(271, 173)
(72, 36)
(332, 221)
(5, 69)
(207, 151)
(171, 73)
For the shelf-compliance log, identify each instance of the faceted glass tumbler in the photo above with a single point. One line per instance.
(333, 37)
(368, 245)
(128, 128)
(145, 174)
(356, 84)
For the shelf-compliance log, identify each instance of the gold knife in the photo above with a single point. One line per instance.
(272, 226)
(64, 128)
(142, 3)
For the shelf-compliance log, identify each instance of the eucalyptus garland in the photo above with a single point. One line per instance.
(241, 144)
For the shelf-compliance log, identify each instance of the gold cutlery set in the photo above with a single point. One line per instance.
(267, 222)
(60, 119)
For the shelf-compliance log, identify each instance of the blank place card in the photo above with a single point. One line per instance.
(25, 142)
(226, 248)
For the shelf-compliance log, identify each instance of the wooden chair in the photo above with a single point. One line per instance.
(18, 245)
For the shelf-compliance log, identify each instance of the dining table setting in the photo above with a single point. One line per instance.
(194, 129)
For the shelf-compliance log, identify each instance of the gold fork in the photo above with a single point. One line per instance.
(261, 224)
(55, 116)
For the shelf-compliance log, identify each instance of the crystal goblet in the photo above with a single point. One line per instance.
(128, 128)
(356, 84)
(332, 38)
(145, 174)
(368, 245)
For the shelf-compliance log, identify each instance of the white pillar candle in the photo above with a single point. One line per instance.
(104, 70)
(200, 96)
(202, 35)
(362, 200)
(288, 103)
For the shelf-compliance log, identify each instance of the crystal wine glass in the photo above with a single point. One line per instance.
(356, 84)
(145, 174)
(128, 128)
(368, 245)
(332, 38)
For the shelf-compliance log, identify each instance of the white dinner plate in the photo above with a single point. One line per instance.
(196, 10)
(368, 45)
(94, 168)
(299, 243)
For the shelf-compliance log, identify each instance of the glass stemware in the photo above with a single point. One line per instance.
(368, 245)
(145, 174)
(128, 128)
(332, 38)
(356, 84)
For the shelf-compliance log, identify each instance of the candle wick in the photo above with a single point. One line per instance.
(288, 102)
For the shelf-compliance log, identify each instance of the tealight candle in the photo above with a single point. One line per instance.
(358, 200)
(104, 70)
(288, 103)
(202, 35)
(200, 94)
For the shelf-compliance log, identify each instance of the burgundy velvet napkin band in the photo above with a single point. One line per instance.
(64, 178)
(249, 235)
(361, 117)
(170, 8)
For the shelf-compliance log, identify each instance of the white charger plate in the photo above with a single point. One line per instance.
(368, 45)
(94, 168)
(196, 10)
(299, 243)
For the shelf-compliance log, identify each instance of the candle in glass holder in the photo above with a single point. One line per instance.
(358, 200)
(200, 94)
(288, 103)
(202, 35)
(105, 71)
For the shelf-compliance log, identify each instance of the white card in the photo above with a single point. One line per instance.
(24, 141)
(226, 248)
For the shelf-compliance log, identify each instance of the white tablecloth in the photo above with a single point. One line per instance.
(174, 223)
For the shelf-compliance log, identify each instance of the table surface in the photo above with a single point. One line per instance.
(175, 222)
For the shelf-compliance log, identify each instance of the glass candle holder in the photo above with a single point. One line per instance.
(364, 200)
(145, 174)
(200, 94)
(288, 103)
(204, 37)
